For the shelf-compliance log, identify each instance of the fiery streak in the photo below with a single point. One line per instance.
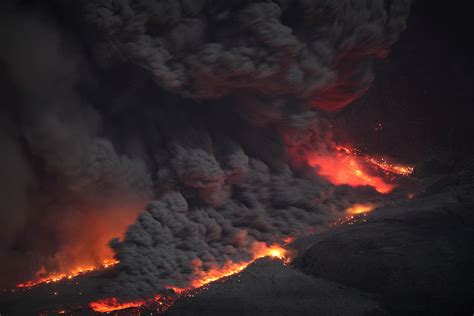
(55, 277)
(398, 169)
(360, 209)
(354, 214)
(402, 170)
(200, 279)
(342, 169)
(260, 250)
(113, 304)
(349, 166)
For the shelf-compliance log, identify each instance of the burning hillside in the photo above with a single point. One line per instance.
(69, 275)
(200, 279)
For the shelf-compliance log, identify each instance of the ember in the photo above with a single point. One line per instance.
(382, 163)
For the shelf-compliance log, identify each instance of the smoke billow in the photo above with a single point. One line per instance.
(191, 104)
(63, 186)
(319, 51)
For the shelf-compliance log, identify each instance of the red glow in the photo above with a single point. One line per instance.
(357, 209)
(382, 163)
(402, 170)
(346, 165)
(341, 168)
(259, 250)
(200, 278)
(113, 304)
(354, 214)
(55, 277)
(331, 106)
(85, 247)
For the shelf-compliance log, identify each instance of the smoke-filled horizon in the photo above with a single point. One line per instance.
(188, 104)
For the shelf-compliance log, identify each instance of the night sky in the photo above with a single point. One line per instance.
(423, 92)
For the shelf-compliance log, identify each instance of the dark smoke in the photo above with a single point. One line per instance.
(191, 103)
(319, 51)
(57, 171)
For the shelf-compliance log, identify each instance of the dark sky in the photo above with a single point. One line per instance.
(423, 92)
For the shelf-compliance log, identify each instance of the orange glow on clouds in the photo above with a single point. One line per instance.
(85, 247)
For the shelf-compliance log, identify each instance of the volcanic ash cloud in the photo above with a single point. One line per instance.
(215, 199)
(218, 89)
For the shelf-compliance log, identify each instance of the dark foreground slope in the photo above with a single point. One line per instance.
(412, 258)
(418, 257)
(415, 258)
(268, 287)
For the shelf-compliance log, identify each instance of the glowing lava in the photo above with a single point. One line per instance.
(200, 278)
(357, 209)
(342, 169)
(55, 277)
(382, 163)
(355, 214)
(348, 166)
(113, 304)
(259, 250)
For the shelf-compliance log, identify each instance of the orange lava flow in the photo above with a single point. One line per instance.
(55, 277)
(341, 168)
(354, 214)
(357, 209)
(398, 169)
(113, 304)
(349, 166)
(402, 170)
(259, 250)
(200, 278)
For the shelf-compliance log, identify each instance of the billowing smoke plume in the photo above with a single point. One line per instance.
(320, 51)
(195, 103)
(63, 186)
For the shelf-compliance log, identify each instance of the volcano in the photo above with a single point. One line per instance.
(270, 157)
